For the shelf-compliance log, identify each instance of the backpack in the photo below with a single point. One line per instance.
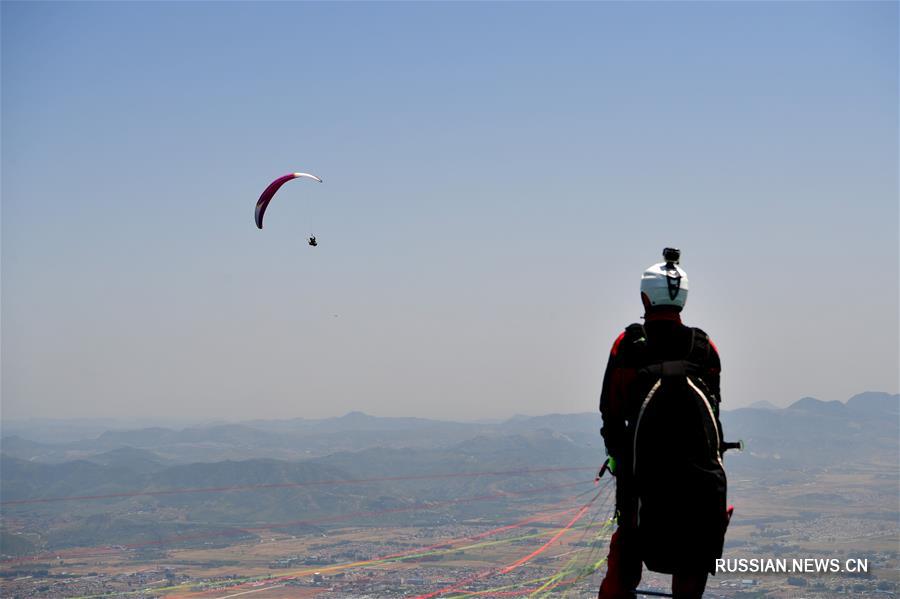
(676, 462)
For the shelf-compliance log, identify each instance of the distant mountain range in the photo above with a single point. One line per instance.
(292, 439)
(403, 460)
(813, 433)
(865, 419)
(121, 494)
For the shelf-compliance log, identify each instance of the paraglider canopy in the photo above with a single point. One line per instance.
(270, 191)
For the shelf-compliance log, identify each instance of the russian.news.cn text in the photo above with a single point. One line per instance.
(808, 565)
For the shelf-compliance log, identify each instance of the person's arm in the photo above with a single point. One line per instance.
(612, 403)
(713, 375)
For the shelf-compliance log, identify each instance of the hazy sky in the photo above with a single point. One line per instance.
(496, 177)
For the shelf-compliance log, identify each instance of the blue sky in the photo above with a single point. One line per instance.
(496, 177)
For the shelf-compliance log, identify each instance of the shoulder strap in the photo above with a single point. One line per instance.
(693, 362)
(635, 333)
(632, 348)
(699, 352)
(700, 357)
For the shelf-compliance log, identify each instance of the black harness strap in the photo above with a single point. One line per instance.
(697, 355)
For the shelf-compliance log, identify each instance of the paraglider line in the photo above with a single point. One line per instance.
(420, 552)
(518, 562)
(99, 551)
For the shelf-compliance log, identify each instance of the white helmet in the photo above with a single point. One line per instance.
(666, 284)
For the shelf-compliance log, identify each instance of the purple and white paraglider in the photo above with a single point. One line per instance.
(270, 191)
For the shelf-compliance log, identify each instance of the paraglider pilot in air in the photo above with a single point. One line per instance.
(660, 408)
(312, 241)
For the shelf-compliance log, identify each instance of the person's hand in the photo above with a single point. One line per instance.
(610, 465)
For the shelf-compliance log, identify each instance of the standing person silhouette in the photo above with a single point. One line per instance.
(660, 408)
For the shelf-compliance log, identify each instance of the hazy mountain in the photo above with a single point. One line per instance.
(763, 405)
(377, 464)
(28, 479)
(811, 433)
(14, 445)
(290, 440)
(54, 430)
(875, 402)
(295, 496)
(817, 406)
(139, 460)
